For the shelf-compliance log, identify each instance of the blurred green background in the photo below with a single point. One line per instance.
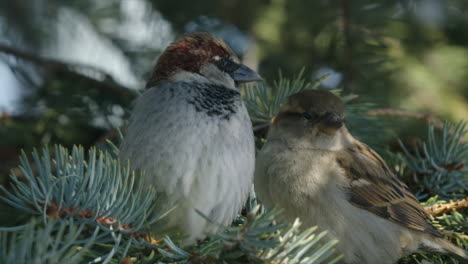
(69, 69)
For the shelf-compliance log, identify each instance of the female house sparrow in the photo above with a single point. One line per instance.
(314, 169)
(190, 134)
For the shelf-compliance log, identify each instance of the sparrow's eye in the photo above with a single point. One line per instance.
(226, 64)
(310, 117)
(305, 115)
(294, 114)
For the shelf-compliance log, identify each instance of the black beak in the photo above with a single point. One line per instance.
(332, 121)
(245, 74)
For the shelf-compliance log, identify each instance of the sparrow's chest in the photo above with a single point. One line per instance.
(297, 177)
(199, 134)
(211, 118)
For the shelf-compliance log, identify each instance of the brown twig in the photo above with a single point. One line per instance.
(425, 117)
(443, 208)
(126, 260)
(54, 212)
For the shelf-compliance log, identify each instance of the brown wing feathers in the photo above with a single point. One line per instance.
(376, 189)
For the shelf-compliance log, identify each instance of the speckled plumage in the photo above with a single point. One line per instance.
(212, 99)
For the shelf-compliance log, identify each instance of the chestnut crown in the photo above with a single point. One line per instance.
(192, 52)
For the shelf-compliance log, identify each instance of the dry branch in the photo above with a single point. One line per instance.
(444, 208)
(425, 117)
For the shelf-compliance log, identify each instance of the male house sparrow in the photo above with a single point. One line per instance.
(190, 134)
(314, 169)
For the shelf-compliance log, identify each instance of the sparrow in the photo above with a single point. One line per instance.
(190, 136)
(315, 170)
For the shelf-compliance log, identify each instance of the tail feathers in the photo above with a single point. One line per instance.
(441, 245)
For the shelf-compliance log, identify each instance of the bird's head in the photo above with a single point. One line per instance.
(203, 57)
(315, 116)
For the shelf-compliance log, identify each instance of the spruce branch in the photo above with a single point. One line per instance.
(96, 191)
(54, 242)
(263, 238)
(439, 166)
